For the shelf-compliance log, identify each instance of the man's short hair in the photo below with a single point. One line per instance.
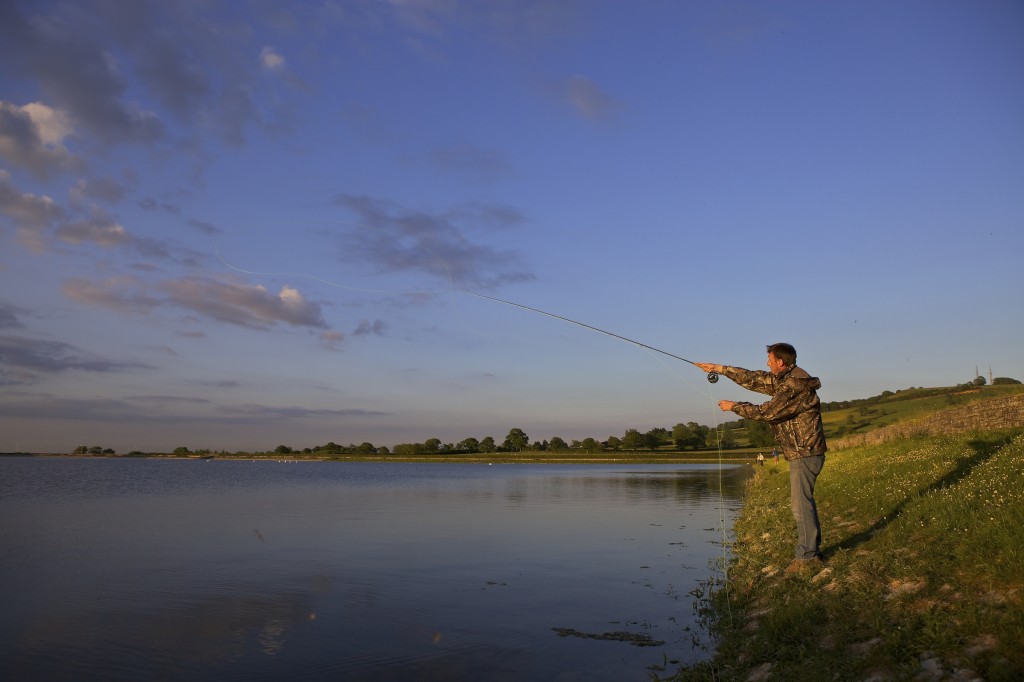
(784, 352)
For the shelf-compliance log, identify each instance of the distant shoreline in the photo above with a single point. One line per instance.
(476, 458)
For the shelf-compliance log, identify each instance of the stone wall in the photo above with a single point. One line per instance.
(983, 415)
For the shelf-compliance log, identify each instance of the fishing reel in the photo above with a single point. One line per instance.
(712, 377)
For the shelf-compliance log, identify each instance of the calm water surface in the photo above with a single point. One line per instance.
(238, 570)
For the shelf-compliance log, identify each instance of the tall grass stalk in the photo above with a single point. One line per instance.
(924, 571)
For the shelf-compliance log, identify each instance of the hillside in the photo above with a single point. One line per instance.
(924, 411)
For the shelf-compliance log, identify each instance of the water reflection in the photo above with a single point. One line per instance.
(240, 570)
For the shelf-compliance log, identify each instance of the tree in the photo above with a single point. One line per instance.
(181, 450)
(516, 440)
(690, 435)
(659, 436)
(979, 381)
(725, 438)
(1004, 380)
(487, 444)
(431, 445)
(469, 445)
(633, 440)
(82, 450)
(759, 434)
(558, 444)
(365, 449)
(614, 442)
(282, 450)
(590, 445)
(383, 450)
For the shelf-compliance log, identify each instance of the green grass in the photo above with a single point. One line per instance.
(924, 575)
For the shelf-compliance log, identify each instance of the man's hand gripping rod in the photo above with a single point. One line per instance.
(712, 376)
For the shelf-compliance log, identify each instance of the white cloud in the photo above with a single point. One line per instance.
(32, 137)
(239, 304)
(247, 306)
(271, 60)
(102, 231)
(53, 125)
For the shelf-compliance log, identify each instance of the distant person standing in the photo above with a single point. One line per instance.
(760, 458)
(794, 413)
(775, 454)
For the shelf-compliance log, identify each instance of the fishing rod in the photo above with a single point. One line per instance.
(712, 376)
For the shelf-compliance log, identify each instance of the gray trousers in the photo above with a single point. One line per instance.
(803, 473)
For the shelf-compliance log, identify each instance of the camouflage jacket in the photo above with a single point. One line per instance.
(794, 411)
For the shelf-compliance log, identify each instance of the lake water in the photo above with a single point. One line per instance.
(202, 570)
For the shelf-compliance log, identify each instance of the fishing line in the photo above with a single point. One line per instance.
(722, 528)
(712, 376)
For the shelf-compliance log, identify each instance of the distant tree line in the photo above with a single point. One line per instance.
(93, 450)
(688, 436)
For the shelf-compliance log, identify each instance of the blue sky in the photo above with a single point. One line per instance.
(238, 225)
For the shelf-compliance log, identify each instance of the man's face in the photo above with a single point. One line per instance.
(775, 365)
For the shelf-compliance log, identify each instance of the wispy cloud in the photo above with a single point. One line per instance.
(587, 99)
(125, 295)
(263, 413)
(247, 306)
(244, 305)
(163, 400)
(104, 189)
(396, 239)
(10, 315)
(99, 228)
(377, 327)
(470, 161)
(25, 358)
(31, 214)
(204, 227)
(151, 204)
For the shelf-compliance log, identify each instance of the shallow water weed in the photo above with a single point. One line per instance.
(925, 568)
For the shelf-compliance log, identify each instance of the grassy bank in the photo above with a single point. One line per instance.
(924, 572)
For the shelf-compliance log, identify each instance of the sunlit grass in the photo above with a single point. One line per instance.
(924, 575)
(909, 404)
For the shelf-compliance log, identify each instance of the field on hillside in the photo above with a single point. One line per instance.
(912, 403)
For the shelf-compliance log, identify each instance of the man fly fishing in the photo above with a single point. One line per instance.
(794, 413)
